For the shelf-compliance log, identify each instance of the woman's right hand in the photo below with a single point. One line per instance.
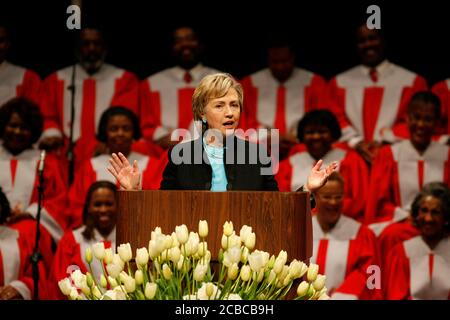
(128, 175)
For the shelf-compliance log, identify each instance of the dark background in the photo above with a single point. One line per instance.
(139, 33)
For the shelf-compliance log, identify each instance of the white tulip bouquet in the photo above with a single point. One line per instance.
(177, 266)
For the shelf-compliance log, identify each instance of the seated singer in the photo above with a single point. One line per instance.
(219, 160)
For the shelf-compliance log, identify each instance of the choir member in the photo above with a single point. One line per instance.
(442, 90)
(418, 268)
(118, 128)
(16, 81)
(20, 127)
(96, 86)
(16, 247)
(166, 96)
(318, 131)
(278, 96)
(400, 170)
(99, 225)
(343, 248)
(372, 97)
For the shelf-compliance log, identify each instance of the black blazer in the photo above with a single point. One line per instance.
(195, 172)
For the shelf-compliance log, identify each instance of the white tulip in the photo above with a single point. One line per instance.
(125, 252)
(130, 284)
(182, 233)
(203, 228)
(174, 254)
(168, 242)
(224, 242)
(313, 270)
(233, 271)
(142, 257)
(180, 262)
(152, 250)
(139, 277)
(302, 288)
(272, 276)
(234, 241)
(65, 286)
(245, 231)
(245, 273)
(117, 260)
(167, 273)
(258, 260)
(319, 283)
(280, 261)
(207, 291)
(295, 269)
(123, 276)
(228, 228)
(73, 294)
(108, 256)
(207, 257)
(244, 255)
(114, 269)
(99, 250)
(103, 281)
(96, 292)
(200, 272)
(234, 296)
(78, 278)
(112, 282)
(88, 255)
(233, 255)
(175, 242)
(202, 248)
(155, 232)
(250, 241)
(150, 290)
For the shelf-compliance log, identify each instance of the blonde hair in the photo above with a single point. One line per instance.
(214, 86)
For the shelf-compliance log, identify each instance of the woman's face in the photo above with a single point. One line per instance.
(329, 202)
(16, 136)
(318, 140)
(223, 113)
(103, 209)
(430, 219)
(119, 134)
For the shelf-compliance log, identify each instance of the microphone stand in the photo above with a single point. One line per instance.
(70, 154)
(37, 256)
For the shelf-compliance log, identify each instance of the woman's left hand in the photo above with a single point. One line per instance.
(317, 178)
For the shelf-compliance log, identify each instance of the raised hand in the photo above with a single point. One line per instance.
(128, 175)
(317, 178)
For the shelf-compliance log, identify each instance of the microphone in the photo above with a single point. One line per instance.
(42, 161)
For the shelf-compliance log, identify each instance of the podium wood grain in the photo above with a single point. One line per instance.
(281, 220)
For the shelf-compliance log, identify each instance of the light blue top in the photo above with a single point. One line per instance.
(215, 156)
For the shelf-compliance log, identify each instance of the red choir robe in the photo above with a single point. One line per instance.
(394, 234)
(110, 86)
(344, 255)
(16, 81)
(268, 103)
(398, 174)
(19, 180)
(293, 173)
(368, 110)
(166, 100)
(414, 271)
(70, 256)
(442, 90)
(16, 247)
(95, 169)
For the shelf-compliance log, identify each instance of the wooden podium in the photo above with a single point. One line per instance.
(281, 220)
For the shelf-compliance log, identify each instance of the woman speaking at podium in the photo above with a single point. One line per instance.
(218, 160)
